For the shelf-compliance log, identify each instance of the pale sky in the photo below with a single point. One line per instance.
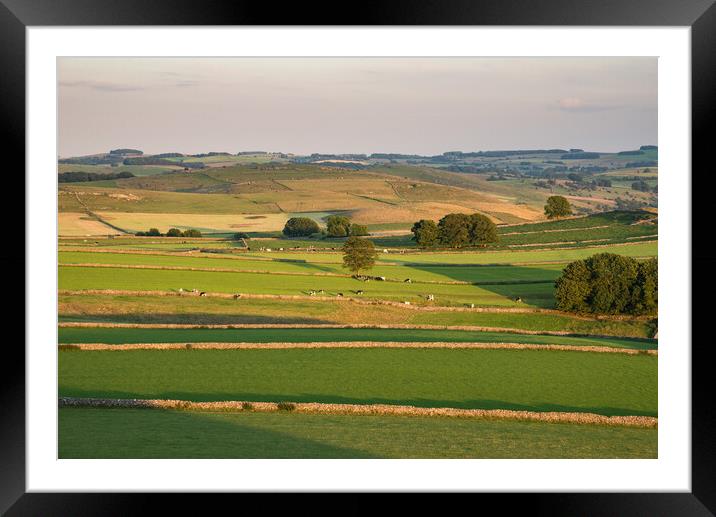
(355, 105)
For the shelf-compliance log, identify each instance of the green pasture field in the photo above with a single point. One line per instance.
(504, 295)
(112, 335)
(533, 380)
(194, 310)
(641, 249)
(137, 170)
(613, 233)
(432, 273)
(147, 433)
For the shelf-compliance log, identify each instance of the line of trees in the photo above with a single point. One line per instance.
(172, 232)
(78, 176)
(336, 226)
(455, 231)
(607, 283)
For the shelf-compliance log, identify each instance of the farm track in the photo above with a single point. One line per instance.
(348, 299)
(351, 344)
(364, 409)
(295, 273)
(471, 328)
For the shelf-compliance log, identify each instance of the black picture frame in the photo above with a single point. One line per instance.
(700, 15)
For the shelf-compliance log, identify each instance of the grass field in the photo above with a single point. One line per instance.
(503, 295)
(142, 433)
(642, 249)
(608, 384)
(193, 310)
(544, 273)
(299, 335)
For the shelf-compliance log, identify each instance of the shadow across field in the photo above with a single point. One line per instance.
(156, 433)
(531, 285)
(337, 399)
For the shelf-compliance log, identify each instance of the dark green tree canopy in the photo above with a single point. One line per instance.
(359, 230)
(607, 283)
(425, 233)
(454, 230)
(174, 232)
(482, 230)
(191, 233)
(358, 254)
(338, 226)
(300, 227)
(557, 206)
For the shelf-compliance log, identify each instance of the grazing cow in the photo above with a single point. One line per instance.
(472, 305)
(181, 290)
(518, 299)
(381, 278)
(203, 293)
(237, 296)
(360, 291)
(321, 292)
(406, 303)
(408, 281)
(312, 293)
(194, 291)
(340, 295)
(430, 298)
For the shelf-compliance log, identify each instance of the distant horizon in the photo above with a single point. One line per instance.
(301, 106)
(368, 154)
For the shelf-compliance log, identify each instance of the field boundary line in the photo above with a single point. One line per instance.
(349, 299)
(350, 344)
(400, 326)
(365, 409)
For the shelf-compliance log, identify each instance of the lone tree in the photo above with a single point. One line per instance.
(300, 227)
(425, 233)
(338, 226)
(557, 206)
(482, 230)
(607, 283)
(358, 254)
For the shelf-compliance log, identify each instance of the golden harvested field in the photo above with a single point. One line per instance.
(77, 224)
(139, 221)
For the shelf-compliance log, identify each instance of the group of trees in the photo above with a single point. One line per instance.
(455, 231)
(607, 283)
(77, 176)
(300, 227)
(341, 226)
(172, 232)
(336, 226)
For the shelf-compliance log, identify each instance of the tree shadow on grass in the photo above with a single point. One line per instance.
(157, 433)
(338, 399)
(525, 286)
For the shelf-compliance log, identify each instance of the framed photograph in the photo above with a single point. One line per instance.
(421, 253)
